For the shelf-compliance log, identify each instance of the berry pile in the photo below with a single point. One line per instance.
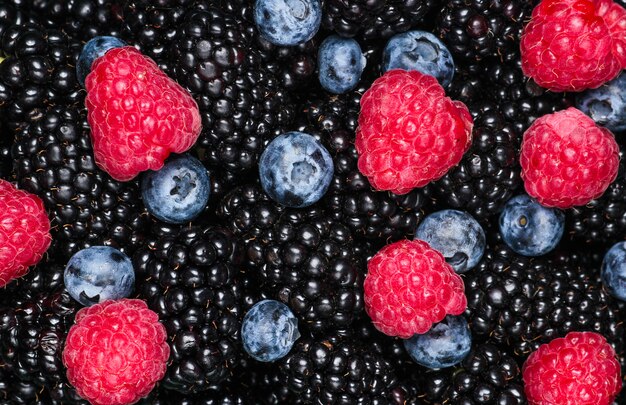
(400, 202)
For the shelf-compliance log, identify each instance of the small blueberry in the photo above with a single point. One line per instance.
(269, 330)
(93, 49)
(340, 64)
(288, 22)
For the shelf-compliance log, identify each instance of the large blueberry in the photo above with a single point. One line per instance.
(340, 64)
(421, 51)
(178, 192)
(295, 169)
(606, 105)
(97, 274)
(269, 330)
(529, 228)
(445, 344)
(457, 235)
(613, 271)
(287, 22)
(93, 49)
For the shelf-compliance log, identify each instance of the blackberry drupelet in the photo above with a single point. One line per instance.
(301, 257)
(189, 277)
(523, 302)
(33, 328)
(38, 71)
(489, 173)
(53, 159)
(488, 375)
(601, 222)
(373, 20)
(337, 370)
(483, 29)
(350, 198)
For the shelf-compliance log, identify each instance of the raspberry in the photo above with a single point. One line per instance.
(567, 160)
(137, 114)
(573, 45)
(409, 132)
(116, 352)
(581, 368)
(409, 286)
(24, 232)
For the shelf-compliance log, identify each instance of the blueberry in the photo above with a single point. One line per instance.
(295, 169)
(529, 228)
(269, 330)
(340, 64)
(613, 271)
(445, 344)
(606, 105)
(93, 49)
(421, 51)
(287, 22)
(178, 192)
(97, 274)
(457, 235)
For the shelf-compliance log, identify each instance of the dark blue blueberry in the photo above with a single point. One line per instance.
(178, 192)
(295, 169)
(606, 105)
(288, 22)
(529, 228)
(445, 344)
(269, 330)
(457, 235)
(613, 271)
(421, 51)
(99, 273)
(340, 64)
(93, 49)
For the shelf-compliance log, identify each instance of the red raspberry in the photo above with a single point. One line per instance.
(581, 369)
(409, 132)
(137, 114)
(24, 232)
(409, 286)
(116, 352)
(567, 160)
(573, 45)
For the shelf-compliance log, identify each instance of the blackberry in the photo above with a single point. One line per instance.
(38, 71)
(189, 277)
(373, 20)
(336, 370)
(488, 375)
(524, 302)
(54, 160)
(301, 257)
(489, 172)
(350, 198)
(483, 29)
(33, 328)
(521, 100)
(601, 222)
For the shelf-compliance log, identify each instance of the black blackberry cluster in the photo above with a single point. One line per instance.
(483, 29)
(299, 256)
(376, 19)
(37, 70)
(189, 277)
(53, 158)
(522, 302)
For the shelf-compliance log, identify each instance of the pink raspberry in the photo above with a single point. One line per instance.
(567, 160)
(116, 352)
(137, 114)
(409, 286)
(581, 368)
(573, 45)
(409, 132)
(24, 232)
